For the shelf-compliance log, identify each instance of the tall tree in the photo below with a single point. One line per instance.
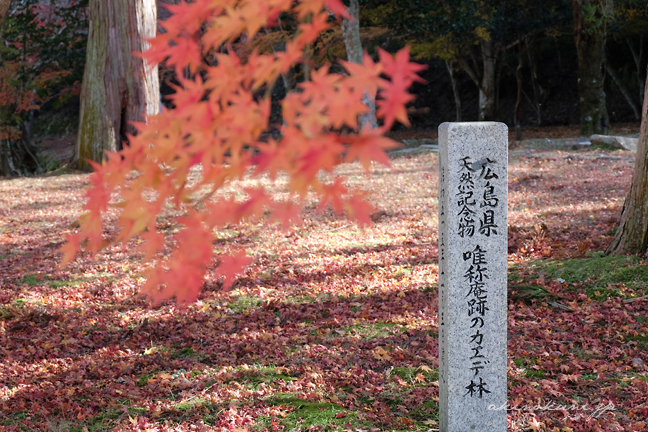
(118, 87)
(4, 7)
(591, 18)
(353, 45)
(471, 34)
(632, 233)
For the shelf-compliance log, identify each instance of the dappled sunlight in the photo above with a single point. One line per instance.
(329, 316)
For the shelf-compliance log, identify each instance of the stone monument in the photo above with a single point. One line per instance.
(473, 186)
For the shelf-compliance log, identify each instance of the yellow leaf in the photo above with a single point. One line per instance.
(425, 368)
(133, 420)
(150, 351)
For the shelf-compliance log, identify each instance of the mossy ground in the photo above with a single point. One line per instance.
(600, 276)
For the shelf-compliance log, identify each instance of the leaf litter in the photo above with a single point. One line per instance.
(331, 327)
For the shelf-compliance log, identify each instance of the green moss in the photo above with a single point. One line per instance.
(600, 274)
(374, 330)
(143, 380)
(427, 411)
(20, 302)
(409, 374)
(184, 352)
(642, 341)
(39, 279)
(538, 374)
(32, 279)
(245, 303)
(309, 299)
(304, 414)
(524, 363)
(253, 377)
(62, 283)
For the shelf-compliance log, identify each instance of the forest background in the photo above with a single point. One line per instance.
(332, 327)
(528, 47)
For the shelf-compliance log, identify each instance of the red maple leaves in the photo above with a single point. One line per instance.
(216, 120)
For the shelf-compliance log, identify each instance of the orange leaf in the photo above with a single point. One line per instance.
(369, 146)
(359, 209)
(70, 248)
(231, 265)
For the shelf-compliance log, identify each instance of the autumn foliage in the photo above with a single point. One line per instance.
(216, 123)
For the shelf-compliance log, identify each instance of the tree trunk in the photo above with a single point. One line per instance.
(117, 87)
(518, 101)
(455, 91)
(590, 29)
(351, 34)
(4, 7)
(488, 86)
(539, 93)
(632, 233)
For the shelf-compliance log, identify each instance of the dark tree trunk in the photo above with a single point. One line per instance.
(518, 101)
(539, 93)
(455, 91)
(117, 87)
(632, 233)
(590, 22)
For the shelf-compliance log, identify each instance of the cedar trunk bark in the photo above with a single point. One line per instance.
(590, 17)
(353, 45)
(117, 87)
(632, 233)
(4, 7)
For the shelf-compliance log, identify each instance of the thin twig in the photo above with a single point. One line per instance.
(635, 299)
(338, 228)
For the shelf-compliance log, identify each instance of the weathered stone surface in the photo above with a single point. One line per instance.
(473, 167)
(619, 142)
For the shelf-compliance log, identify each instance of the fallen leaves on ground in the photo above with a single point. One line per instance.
(327, 318)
